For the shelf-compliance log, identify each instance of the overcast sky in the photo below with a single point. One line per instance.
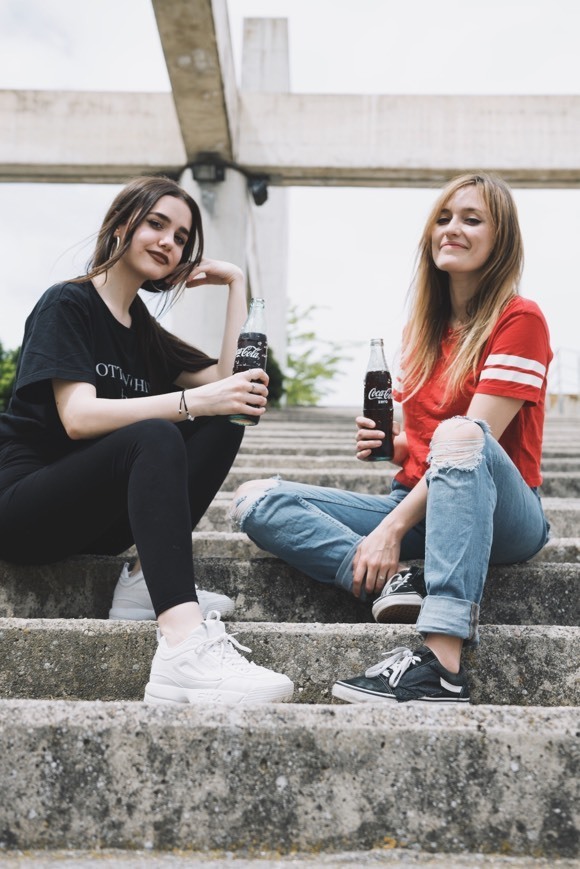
(340, 46)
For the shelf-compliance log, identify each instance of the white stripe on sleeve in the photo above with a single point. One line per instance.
(516, 362)
(513, 376)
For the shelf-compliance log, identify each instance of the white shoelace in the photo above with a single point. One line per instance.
(228, 646)
(396, 581)
(398, 662)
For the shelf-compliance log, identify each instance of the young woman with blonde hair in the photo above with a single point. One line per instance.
(472, 386)
(83, 472)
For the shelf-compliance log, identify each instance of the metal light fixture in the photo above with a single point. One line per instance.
(258, 187)
(209, 167)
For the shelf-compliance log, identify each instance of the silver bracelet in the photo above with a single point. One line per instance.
(183, 407)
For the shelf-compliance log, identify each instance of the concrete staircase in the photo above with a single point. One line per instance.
(84, 764)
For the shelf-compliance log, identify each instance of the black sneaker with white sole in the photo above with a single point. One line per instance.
(406, 677)
(400, 600)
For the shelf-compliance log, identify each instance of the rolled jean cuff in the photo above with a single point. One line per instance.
(344, 574)
(450, 615)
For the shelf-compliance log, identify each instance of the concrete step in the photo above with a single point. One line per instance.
(266, 589)
(298, 460)
(238, 545)
(313, 424)
(288, 778)
(77, 772)
(383, 855)
(300, 446)
(375, 478)
(345, 460)
(312, 431)
(372, 479)
(560, 463)
(321, 442)
(93, 659)
(297, 447)
(303, 446)
(560, 549)
(562, 513)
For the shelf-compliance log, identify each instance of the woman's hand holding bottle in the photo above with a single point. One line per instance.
(245, 392)
(368, 437)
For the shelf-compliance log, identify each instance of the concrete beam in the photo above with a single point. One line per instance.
(410, 141)
(87, 137)
(298, 139)
(197, 48)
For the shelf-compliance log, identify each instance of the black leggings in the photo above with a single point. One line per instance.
(148, 483)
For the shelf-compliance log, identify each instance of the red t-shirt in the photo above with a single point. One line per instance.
(514, 364)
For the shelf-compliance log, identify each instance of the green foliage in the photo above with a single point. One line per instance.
(276, 384)
(8, 359)
(312, 362)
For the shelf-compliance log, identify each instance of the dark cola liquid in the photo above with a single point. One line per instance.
(252, 352)
(378, 406)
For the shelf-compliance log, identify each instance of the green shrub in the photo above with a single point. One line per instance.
(8, 360)
(312, 362)
(276, 384)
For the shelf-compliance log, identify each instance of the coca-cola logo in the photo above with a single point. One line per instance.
(380, 394)
(251, 352)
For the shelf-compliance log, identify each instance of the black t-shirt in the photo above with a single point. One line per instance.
(70, 335)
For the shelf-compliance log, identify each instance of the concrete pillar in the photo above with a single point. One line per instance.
(237, 230)
(199, 316)
(265, 68)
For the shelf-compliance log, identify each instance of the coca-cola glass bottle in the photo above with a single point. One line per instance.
(252, 351)
(378, 400)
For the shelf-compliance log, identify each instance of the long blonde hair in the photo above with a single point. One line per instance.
(430, 303)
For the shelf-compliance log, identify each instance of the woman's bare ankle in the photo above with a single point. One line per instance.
(446, 649)
(179, 621)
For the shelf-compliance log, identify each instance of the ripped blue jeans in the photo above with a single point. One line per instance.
(479, 512)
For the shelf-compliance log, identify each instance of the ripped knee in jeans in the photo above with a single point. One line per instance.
(247, 496)
(457, 443)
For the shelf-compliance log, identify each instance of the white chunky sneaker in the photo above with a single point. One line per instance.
(131, 599)
(208, 668)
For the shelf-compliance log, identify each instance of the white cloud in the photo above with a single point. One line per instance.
(90, 45)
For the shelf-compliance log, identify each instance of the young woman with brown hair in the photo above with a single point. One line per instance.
(83, 472)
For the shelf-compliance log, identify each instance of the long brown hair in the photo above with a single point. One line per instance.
(164, 352)
(430, 303)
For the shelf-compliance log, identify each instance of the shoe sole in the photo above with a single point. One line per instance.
(403, 609)
(132, 615)
(143, 615)
(356, 695)
(168, 696)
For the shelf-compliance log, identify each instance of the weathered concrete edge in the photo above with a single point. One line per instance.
(95, 775)
(236, 544)
(265, 589)
(383, 855)
(101, 660)
(554, 720)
